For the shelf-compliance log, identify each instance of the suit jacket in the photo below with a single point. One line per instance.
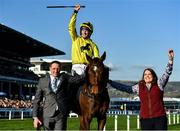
(50, 99)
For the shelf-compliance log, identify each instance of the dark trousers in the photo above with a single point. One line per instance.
(158, 123)
(58, 122)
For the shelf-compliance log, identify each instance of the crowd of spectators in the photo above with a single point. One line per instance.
(16, 104)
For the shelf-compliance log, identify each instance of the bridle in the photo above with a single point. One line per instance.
(93, 70)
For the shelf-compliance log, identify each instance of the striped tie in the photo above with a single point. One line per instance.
(54, 84)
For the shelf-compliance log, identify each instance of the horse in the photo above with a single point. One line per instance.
(93, 98)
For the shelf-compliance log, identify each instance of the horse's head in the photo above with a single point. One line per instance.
(97, 74)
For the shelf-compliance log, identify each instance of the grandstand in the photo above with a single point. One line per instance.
(16, 49)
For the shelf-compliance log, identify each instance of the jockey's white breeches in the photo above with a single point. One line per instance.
(79, 69)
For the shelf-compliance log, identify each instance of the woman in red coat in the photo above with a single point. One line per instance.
(150, 90)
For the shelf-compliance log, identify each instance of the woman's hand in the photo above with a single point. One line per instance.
(171, 56)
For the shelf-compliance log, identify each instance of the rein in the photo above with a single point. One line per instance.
(92, 95)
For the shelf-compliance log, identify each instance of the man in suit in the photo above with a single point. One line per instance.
(52, 92)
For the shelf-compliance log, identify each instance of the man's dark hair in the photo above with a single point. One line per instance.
(57, 62)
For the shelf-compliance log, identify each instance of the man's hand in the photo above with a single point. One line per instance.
(77, 7)
(36, 122)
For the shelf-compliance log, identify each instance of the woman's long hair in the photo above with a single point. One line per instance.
(155, 78)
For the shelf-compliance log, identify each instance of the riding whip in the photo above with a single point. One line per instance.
(63, 6)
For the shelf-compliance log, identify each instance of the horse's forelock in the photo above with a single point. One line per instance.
(96, 62)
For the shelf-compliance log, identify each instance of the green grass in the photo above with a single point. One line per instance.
(73, 124)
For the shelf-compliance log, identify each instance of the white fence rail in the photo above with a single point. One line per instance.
(15, 113)
(171, 117)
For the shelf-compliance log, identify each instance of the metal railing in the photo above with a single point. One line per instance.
(15, 113)
(173, 118)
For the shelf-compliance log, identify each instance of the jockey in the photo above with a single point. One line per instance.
(81, 45)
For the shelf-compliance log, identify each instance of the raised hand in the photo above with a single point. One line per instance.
(171, 55)
(77, 7)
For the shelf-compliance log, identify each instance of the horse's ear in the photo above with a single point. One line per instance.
(103, 57)
(89, 59)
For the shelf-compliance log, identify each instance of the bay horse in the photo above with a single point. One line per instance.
(94, 98)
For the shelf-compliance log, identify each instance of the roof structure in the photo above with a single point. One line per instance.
(50, 60)
(23, 45)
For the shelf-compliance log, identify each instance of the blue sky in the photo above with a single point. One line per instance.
(134, 33)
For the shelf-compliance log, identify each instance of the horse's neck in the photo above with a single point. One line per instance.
(86, 88)
(91, 89)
